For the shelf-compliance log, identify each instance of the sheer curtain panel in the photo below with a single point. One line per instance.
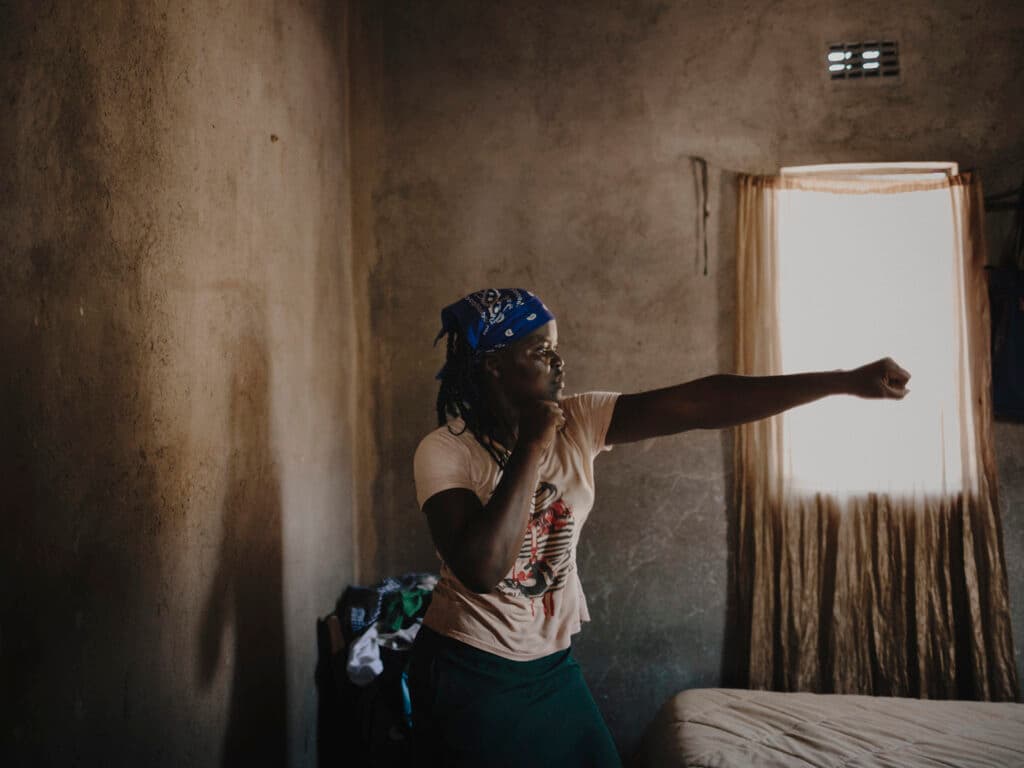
(870, 557)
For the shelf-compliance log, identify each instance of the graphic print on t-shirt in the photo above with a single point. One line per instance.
(540, 568)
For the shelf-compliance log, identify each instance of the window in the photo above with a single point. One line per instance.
(863, 276)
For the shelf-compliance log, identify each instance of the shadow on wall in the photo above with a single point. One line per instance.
(80, 507)
(246, 592)
(735, 650)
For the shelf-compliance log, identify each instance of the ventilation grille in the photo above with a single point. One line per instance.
(873, 60)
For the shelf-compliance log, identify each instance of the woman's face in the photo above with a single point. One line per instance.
(531, 368)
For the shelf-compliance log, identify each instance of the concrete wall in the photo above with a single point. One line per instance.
(178, 382)
(542, 145)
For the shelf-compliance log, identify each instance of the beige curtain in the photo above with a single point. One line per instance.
(871, 594)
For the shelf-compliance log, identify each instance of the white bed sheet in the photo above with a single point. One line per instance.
(720, 728)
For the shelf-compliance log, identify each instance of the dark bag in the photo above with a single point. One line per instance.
(1006, 297)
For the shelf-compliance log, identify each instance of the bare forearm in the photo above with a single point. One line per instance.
(716, 402)
(725, 400)
(496, 535)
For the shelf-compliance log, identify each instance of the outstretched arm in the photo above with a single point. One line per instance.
(726, 400)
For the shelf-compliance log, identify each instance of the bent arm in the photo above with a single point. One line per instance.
(480, 542)
(725, 400)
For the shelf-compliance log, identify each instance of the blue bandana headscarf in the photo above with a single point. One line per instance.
(493, 318)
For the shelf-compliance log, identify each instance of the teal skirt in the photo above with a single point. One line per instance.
(473, 708)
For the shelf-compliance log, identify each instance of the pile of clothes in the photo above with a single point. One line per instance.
(365, 709)
(385, 615)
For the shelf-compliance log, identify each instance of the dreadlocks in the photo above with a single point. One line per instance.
(462, 395)
(483, 321)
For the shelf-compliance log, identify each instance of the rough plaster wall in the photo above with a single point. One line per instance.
(177, 383)
(365, 139)
(536, 144)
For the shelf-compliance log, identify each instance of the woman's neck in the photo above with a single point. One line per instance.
(506, 421)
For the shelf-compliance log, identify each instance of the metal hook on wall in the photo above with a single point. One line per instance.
(700, 169)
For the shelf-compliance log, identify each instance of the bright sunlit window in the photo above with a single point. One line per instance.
(864, 276)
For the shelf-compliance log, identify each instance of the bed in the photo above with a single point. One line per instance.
(719, 727)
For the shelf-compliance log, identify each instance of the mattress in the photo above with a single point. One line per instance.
(718, 727)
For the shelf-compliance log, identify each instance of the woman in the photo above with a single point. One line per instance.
(506, 482)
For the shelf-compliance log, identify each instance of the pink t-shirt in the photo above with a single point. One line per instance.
(539, 604)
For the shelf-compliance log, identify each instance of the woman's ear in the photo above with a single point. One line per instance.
(492, 365)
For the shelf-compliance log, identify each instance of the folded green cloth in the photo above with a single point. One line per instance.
(400, 609)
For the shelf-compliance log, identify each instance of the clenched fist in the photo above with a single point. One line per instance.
(880, 379)
(538, 422)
